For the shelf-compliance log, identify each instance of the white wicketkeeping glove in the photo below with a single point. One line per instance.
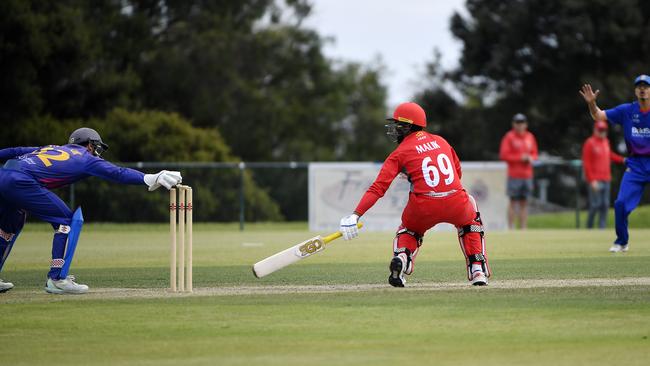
(165, 178)
(349, 226)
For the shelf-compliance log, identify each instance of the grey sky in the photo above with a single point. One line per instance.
(402, 33)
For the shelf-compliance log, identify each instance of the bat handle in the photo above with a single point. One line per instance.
(338, 234)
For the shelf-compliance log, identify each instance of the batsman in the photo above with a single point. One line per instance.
(436, 196)
(25, 182)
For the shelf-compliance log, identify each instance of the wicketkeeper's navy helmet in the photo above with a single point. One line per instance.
(84, 136)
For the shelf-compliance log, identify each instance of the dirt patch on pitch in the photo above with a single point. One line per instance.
(128, 293)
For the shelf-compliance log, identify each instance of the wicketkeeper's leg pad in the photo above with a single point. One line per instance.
(59, 241)
(408, 242)
(65, 242)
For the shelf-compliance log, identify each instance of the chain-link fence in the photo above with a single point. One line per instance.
(223, 192)
(250, 192)
(561, 186)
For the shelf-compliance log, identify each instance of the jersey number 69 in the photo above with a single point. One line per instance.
(432, 172)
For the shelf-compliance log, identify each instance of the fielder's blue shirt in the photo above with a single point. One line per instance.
(57, 166)
(636, 127)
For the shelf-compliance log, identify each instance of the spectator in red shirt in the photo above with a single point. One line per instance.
(596, 157)
(519, 150)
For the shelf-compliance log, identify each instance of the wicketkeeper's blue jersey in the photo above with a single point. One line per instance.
(57, 166)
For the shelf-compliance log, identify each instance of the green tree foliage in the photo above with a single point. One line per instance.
(54, 61)
(267, 87)
(235, 66)
(532, 57)
(192, 80)
(160, 137)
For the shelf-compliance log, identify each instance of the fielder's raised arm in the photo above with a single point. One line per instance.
(590, 98)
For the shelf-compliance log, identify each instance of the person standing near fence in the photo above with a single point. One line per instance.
(596, 157)
(635, 119)
(25, 182)
(519, 150)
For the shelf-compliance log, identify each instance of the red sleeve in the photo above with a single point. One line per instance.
(505, 151)
(388, 172)
(533, 152)
(615, 158)
(587, 165)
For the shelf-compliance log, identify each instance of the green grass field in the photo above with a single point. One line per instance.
(557, 297)
(639, 219)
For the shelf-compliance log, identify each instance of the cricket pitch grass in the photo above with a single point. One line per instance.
(557, 297)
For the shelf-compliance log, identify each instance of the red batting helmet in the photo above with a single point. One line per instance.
(410, 112)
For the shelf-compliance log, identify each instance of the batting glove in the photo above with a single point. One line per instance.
(165, 178)
(349, 226)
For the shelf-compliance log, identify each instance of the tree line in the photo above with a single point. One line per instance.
(241, 68)
(199, 80)
(232, 80)
(532, 57)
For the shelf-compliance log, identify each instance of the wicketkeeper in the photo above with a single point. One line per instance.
(25, 182)
(436, 196)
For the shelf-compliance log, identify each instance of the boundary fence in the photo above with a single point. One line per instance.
(559, 186)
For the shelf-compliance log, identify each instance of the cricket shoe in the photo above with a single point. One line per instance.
(397, 267)
(5, 286)
(65, 286)
(479, 279)
(617, 248)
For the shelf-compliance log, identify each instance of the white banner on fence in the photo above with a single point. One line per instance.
(336, 188)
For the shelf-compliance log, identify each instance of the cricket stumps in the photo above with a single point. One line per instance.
(180, 229)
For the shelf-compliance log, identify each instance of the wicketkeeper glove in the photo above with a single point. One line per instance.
(165, 178)
(349, 227)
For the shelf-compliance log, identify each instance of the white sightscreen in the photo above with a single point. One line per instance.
(336, 188)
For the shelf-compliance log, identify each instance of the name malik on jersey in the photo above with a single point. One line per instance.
(427, 146)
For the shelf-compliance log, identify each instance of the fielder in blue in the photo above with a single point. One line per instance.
(635, 119)
(25, 182)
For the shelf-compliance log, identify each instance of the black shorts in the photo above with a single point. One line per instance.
(519, 189)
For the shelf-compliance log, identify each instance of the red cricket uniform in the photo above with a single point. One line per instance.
(596, 158)
(436, 196)
(513, 148)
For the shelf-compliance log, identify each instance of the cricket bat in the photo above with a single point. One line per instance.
(295, 253)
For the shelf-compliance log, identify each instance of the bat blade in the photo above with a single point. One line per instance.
(293, 254)
(288, 256)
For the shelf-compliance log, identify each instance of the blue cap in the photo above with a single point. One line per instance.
(642, 79)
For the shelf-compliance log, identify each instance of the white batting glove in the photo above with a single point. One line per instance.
(349, 226)
(165, 178)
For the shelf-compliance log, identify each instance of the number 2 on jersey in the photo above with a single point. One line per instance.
(47, 158)
(432, 172)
